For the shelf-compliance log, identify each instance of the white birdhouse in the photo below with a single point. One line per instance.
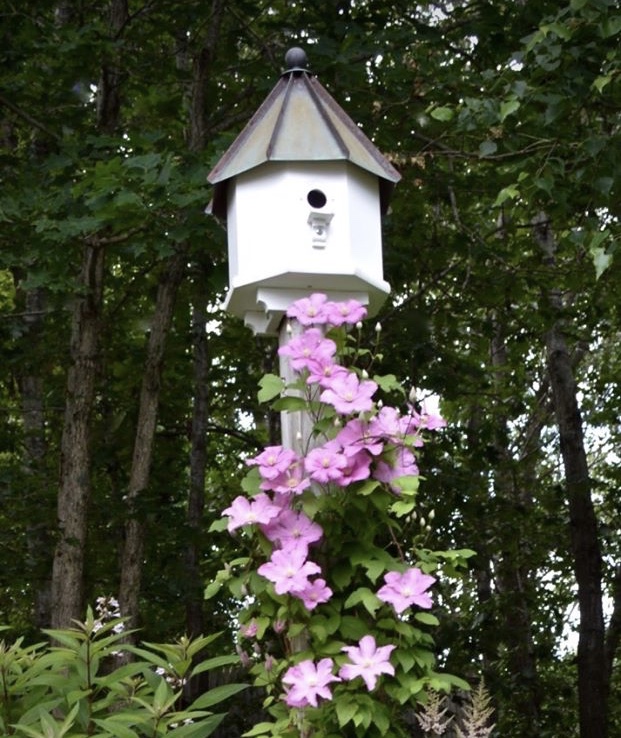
(302, 191)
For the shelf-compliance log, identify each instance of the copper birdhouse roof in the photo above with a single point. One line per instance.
(299, 121)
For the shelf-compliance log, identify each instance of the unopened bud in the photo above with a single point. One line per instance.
(359, 325)
(428, 529)
(378, 327)
(412, 395)
(432, 514)
(423, 522)
(365, 374)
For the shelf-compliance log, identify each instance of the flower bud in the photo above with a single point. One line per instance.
(365, 374)
(412, 395)
(423, 522)
(359, 325)
(378, 327)
(432, 514)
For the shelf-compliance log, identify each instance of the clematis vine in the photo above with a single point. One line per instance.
(359, 445)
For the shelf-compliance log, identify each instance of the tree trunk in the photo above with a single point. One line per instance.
(198, 462)
(31, 388)
(133, 546)
(75, 453)
(514, 571)
(585, 547)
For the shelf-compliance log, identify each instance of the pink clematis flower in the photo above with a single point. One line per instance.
(243, 511)
(310, 345)
(273, 461)
(357, 436)
(403, 590)
(289, 570)
(347, 394)
(358, 468)
(322, 370)
(325, 463)
(291, 482)
(309, 310)
(292, 529)
(314, 594)
(308, 682)
(367, 661)
(348, 311)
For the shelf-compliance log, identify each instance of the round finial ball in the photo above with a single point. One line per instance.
(296, 58)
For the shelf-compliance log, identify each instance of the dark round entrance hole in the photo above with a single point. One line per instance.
(316, 199)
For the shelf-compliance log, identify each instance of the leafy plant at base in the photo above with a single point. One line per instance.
(77, 688)
(338, 629)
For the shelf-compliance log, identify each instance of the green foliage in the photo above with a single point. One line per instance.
(83, 685)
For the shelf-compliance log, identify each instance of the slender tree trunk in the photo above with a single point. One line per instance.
(31, 388)
(75, 465)
(196, 135)
(514, 574)
(75, 453)
(198, 463)
(133, 546)
(586, 554)
(613, 634)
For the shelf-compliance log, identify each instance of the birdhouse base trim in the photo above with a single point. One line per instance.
(271, 304)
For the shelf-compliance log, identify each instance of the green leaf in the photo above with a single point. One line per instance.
(442, 113)
(400, 508)
(218, 525)
(388, 383)
(200, 729)
(487, 148)
(601, 258)
(507, 108)
(427, 618)
(216, 695)
(251, 483)
(271, 386)
(290, 404)
(363, 595)
(511, 192)
(610, 26)
(601, 81)
(259, 729)
(212, 589)
(345, 711)
(216, 662)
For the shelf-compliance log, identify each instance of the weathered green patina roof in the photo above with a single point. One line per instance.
(299, 121)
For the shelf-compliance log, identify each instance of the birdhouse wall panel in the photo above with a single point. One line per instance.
(313, 217)
(365, 232)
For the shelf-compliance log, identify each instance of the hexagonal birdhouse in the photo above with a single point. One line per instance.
(302, 191)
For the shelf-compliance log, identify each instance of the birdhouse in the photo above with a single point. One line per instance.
(302, 191)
